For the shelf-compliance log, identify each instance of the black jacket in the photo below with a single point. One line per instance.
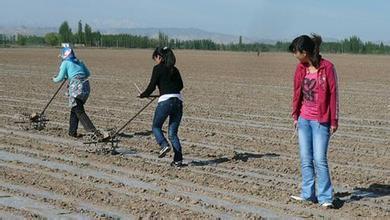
(168, 82)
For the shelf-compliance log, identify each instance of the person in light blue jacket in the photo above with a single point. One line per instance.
(75, 71)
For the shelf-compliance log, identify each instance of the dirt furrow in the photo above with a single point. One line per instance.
(78, 205)
(106, 193)
(206, 170)
(236, 134)
(34, 208)
(374, 136)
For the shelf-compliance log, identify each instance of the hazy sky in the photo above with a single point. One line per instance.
(268, 19)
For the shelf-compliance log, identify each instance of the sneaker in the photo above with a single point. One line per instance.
(164, 151)
(301, 199)
(327, 205)
(298, 198)
(114, 152)
(76, 135)
(178, 164)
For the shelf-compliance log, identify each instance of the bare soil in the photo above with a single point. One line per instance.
(236, 133)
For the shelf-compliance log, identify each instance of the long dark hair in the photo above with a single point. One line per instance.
(167, 55)
(311, 45)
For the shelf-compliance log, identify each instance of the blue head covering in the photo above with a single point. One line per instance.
(67, 53)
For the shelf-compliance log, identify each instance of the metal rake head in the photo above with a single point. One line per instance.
(35, 120)
(101, 141)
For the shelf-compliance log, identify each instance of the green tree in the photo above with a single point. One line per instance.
(96, 38)
(65, 32)
(3, 39)
(35, 40)
(88, 34)
(80, 35)
(162, 39)
(381, 48)
(21, 40)
(52, 39)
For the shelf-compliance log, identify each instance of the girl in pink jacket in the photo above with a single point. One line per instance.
(315, 109)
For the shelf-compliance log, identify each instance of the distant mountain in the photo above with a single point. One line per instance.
(330, 39)
(38, 31)
(173, 33)
(179, 33)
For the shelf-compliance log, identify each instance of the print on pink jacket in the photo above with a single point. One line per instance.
(328, 97)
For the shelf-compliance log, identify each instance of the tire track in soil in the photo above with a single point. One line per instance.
(240, 122)
(365, 151)
(245, 207)
(131, 183)
(48, 196)
(356, 165)
(117, 193)
(357, 151)
(347, 148)
(111, 109)
(258, 125)
(35, 208)
(227, 174)
(6, 213)
(241, 207)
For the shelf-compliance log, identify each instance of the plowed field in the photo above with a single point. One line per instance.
(237, 138)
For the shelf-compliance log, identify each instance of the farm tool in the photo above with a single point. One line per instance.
(37, 120)
(111, 137)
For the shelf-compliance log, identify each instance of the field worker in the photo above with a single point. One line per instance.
(170, 103)
(77, 74)
(315, 110)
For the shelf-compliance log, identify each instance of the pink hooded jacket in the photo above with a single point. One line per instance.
(328, 97)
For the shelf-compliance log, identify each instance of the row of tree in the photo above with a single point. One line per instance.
(86, 37)
(83, 36)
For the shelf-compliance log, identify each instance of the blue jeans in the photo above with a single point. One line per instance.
(313, 145)
(173, 108)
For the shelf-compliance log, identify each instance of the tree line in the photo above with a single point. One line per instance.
(85, 36)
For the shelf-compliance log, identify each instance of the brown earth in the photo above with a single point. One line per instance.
(236, 134)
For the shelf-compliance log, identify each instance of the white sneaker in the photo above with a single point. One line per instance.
(327, 205)
(164, 151)
(300, 199)
(297, 198)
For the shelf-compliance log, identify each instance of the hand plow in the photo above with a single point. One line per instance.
(111, 137)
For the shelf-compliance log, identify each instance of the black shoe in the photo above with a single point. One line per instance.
(178, 164)
(75, 135)
(164, 151)
(114, 152)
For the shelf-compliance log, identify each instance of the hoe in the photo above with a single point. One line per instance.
(37, 120)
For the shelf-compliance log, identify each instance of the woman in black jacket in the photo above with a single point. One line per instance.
(170, 103)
